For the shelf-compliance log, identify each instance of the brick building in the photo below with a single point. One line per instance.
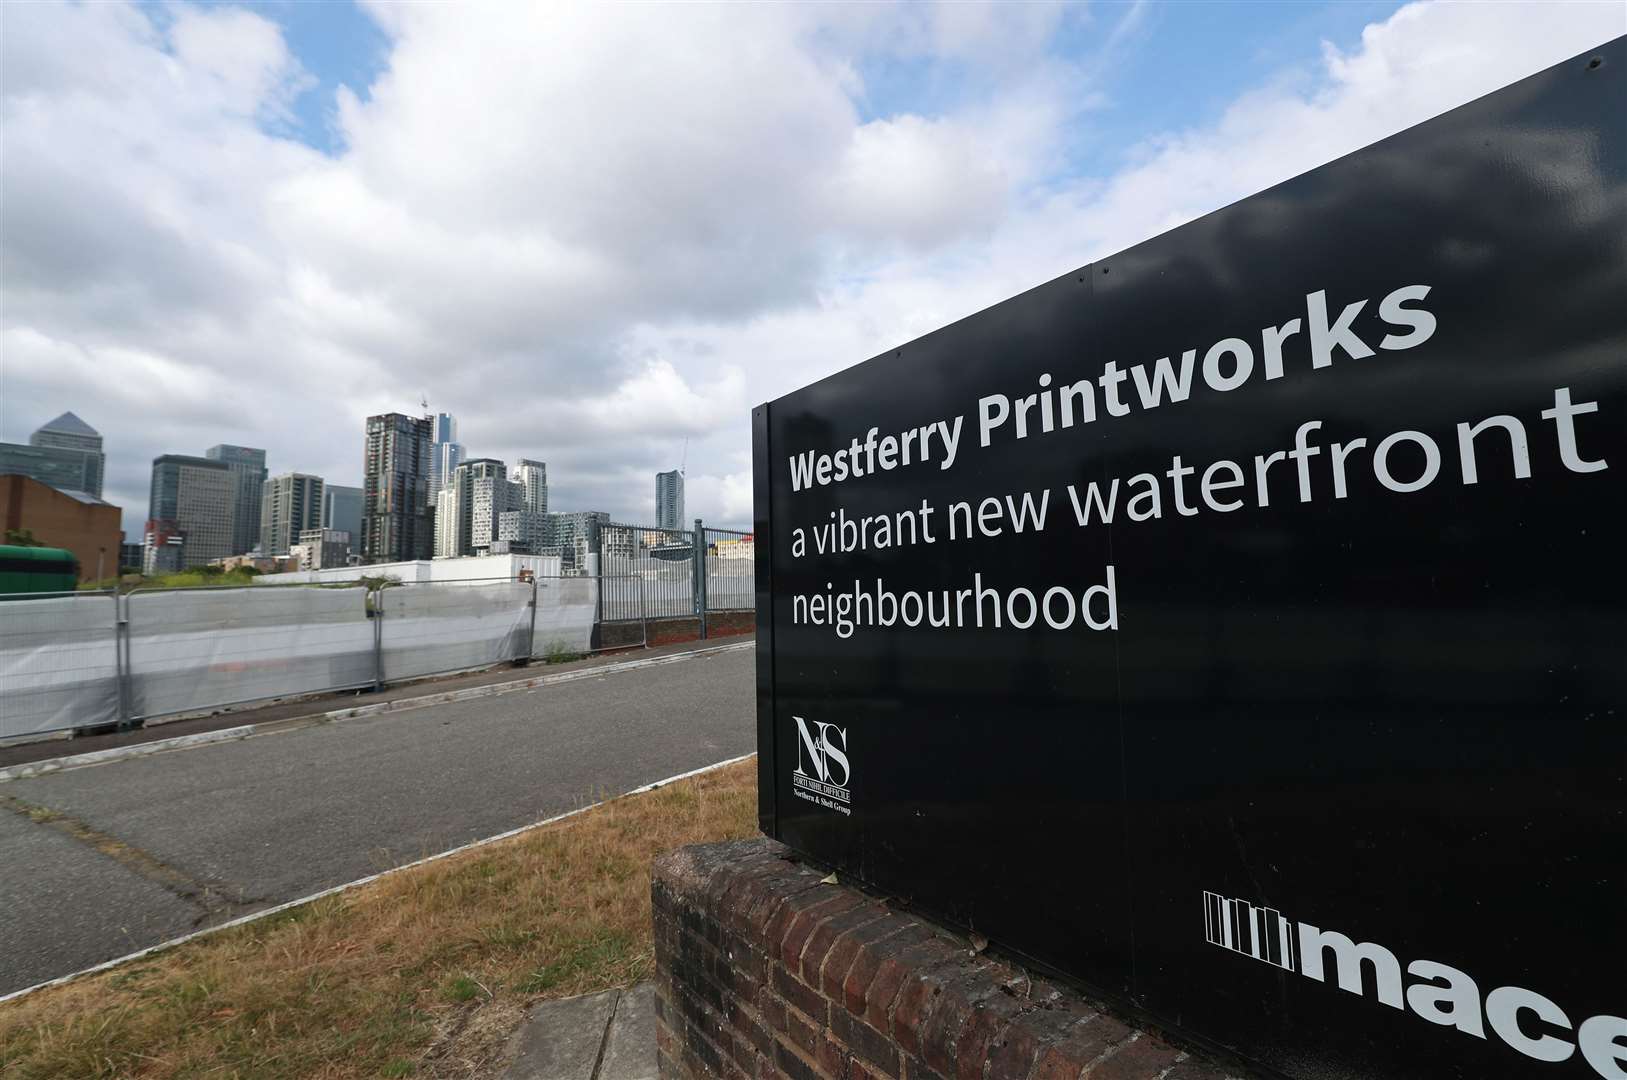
(82, 523)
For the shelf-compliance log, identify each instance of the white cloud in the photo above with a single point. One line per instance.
(597, 234)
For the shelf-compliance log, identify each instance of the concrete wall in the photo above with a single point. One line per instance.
(765, 970)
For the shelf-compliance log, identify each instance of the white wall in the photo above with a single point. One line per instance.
(465, 569)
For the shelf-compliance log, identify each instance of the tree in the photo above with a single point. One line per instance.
(23, 538)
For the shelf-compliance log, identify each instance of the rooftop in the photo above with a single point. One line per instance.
(69, 424)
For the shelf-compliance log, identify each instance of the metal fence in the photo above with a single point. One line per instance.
(676, 582)
(730, 581)
(59, 661)
(92, 659)
(661, 561)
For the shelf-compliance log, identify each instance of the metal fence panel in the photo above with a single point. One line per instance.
(58, 663)
(191, 649)
(434, 627)
(730, 571)
(662, 561)
(566, 611)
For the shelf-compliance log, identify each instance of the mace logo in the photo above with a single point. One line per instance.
(823, 771)
(1522, 1019)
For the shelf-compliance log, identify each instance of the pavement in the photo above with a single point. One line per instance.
(102, 861)
(605, 1036)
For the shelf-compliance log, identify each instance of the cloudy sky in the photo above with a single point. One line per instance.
(594, 233)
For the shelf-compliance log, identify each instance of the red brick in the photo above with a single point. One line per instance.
(916, 1069)
(805, 1035)
(803, 924)
(796, 993)
(772, 1008)
(786, 911)
(1085, 1040)
(821, 940)
(793, 1065)
(990, 1017)
(871, 956)
(1143, 1057)
(915, 999)
(1013, 1051)
(877, 1050)
(747, 1027)
(895, 971)
(764, 971)
(833, 978)
(833, 1058)
(954, 1009)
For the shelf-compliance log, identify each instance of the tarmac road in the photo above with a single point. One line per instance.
(98, 862)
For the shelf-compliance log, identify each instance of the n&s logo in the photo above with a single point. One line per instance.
(823, 770)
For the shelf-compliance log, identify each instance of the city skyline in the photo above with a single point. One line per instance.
(895, 168)
(256, 466)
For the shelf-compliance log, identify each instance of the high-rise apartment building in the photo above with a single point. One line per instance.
(68, 432)
(292, 503)
(248, 467)
(321, 549)
(447, 451)
(468, 505)
(447, 520)
(532, 476)
(522, 532)
(163, 548)
(493, 497)
(192, 497)
(669, 499)
(398, 511)
(574, 536)
(342, 509)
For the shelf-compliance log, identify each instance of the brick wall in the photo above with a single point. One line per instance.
(92, 531)
(764, 970)
(672, 630)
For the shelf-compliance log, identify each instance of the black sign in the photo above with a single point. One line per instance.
(1237, 624)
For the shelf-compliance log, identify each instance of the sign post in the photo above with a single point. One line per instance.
(1238, 624)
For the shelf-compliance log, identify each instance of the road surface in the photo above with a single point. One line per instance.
(99, 862)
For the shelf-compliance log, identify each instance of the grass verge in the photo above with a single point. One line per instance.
(421, 974)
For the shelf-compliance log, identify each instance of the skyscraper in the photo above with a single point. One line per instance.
(478, 491)
(68, 432)
(59, 467)
(669, 499)
(292, 504)
(575, 536)
(66, 454)
(446, 453)
(493, 497)
(192, 497)
(342, 510)
(397, 510)
(532, 476)
(524, 526)
(248, 467)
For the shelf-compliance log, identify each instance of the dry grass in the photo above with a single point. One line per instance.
(421, 974)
